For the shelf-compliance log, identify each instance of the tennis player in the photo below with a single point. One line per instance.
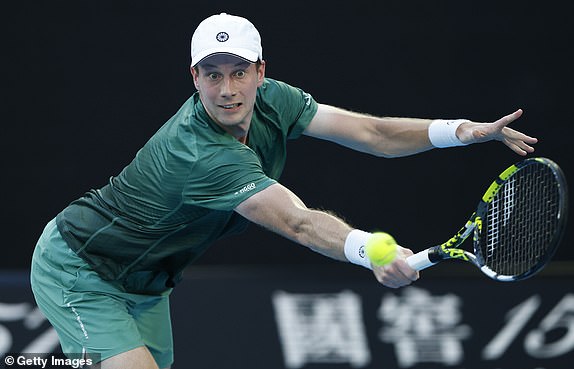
(103, 269)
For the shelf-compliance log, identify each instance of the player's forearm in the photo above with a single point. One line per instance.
(380, 136)
(281, 211)
(395, 137)
(322, 232)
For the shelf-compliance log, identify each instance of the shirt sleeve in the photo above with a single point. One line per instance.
(294, 107)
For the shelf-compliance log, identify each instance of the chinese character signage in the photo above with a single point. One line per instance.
(297, 319)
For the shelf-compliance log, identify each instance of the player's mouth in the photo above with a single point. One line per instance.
(231, 106)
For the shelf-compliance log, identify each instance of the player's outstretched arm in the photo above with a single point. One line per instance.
(394, 137)
(281, 211)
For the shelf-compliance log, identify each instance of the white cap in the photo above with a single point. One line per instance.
(226, 34)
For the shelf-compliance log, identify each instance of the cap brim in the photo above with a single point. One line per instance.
(244, 54)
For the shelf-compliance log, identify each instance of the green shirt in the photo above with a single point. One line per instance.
(179, 193)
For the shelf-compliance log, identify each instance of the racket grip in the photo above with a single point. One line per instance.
(420, 260)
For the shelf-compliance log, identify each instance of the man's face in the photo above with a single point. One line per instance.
(227, 88)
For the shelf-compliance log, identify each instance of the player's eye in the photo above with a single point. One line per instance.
(213, 76)
(240, 74)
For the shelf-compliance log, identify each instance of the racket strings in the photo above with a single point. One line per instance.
(521, 221)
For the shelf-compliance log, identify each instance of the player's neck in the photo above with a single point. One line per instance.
(243, 139)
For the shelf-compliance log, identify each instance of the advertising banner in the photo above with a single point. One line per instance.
(340, 317)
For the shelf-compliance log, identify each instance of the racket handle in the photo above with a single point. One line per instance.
(420, 260)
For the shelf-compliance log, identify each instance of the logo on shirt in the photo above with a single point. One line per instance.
(307, 98)
(247, 188)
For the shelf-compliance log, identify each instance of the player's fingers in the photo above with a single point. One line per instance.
(516, 135)
(406, 271)
(507, 119)
(517, 141)
(520, 147)
(385, 276)
(398, 274)
(515, 147)
(391, 281)
(401, 264)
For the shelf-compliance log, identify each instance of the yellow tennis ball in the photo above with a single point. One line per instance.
(381, 248)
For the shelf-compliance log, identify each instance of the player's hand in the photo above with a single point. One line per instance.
(518, 142)
(398, 273)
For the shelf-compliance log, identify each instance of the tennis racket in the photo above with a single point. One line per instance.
(517, 226)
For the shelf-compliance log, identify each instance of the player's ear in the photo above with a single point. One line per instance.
(260, 73)
(195, 75)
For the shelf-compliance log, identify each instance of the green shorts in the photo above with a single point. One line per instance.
(94, 316)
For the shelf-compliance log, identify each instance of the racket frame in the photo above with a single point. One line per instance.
(450, 249)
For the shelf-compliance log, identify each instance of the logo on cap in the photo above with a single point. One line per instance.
(222, 36)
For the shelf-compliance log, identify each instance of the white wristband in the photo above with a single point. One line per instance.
(442, 133)
(355, 248)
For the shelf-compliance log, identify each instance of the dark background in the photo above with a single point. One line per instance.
(86, 83)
